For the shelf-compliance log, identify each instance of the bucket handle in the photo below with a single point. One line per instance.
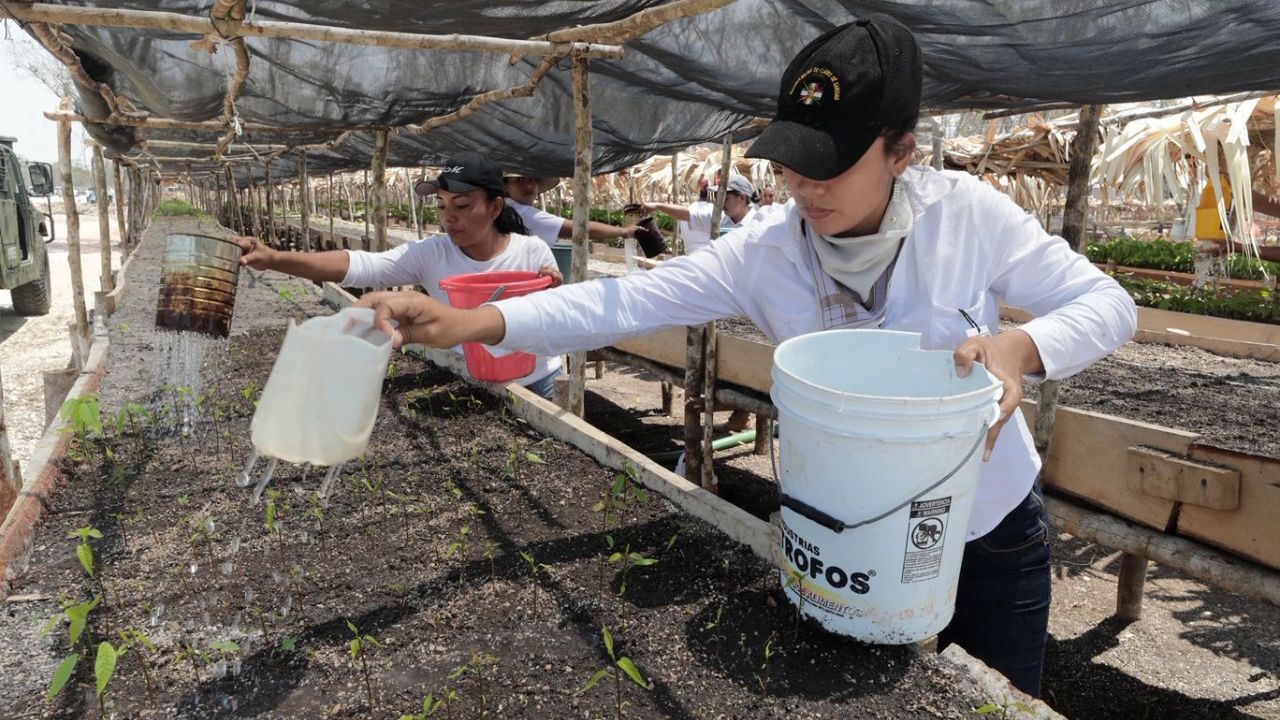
(837, 525)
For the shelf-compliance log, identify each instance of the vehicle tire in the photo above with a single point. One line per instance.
(33, 298)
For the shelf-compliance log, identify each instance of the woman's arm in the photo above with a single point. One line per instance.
(683, 291)
(677, 212)
(1082, 315)
(599, 230)
(328, 266)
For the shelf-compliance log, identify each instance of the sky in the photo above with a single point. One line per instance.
(23, 102)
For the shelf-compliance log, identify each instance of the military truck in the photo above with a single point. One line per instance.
(24, 230)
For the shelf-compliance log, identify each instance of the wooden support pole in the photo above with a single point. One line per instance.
(220, 207)
(379, 191)
(763, 434)
(304, 196)
(135, 207)
(694, 399)
(82, 332)
(1083, 147)
(1226, 571)
(365, 210)
(237, 28)
(329, 196)
(106, 283)
(233, 196)
(668, 399)
(256, 208)
(413, 204)
(271, 212)
(1073, 223)
(121, 227)
(1133, 576)
(710, 365)
(583, 147)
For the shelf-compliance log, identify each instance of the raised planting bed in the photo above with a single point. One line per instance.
(1175, 256)
(469, 547)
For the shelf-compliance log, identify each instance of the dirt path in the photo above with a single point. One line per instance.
(31, 345)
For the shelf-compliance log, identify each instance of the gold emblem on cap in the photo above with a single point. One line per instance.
(813, 91)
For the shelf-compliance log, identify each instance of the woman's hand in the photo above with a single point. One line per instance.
(1008, 357)
(253, 253)
(429, 322)
(553, 272)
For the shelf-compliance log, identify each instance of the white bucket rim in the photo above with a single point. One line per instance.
(892, 399)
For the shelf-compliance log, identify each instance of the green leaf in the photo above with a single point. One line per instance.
(534, 458)
(85, 553)
(62, 674)
(355, 648)
(642, 561)
(595, 679)
(615, 557)
(95, 533)
(104, 666)
(48, 627)
(288, 643)
(986, 709)
(598, 506)
(225, 646)
(632, 672)
(608, 641)
(184, 499)
(619, 483)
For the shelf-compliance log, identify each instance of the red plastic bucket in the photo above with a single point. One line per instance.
(475, 289)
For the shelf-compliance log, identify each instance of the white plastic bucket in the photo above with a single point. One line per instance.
(880, 450)
(321, 399)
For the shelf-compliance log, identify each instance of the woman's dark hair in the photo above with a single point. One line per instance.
(895, 137)
(508, 221)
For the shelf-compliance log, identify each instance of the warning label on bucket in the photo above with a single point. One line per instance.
(926, 534)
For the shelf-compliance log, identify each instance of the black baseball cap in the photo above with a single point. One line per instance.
(464, 172)
(839, 93)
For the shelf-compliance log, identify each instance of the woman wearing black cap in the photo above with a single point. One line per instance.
(482, 235)
(869, 242)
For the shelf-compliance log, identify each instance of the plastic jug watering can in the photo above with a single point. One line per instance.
(321, 399)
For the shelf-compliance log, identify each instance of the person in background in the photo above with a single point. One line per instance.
(482, 234)
(696, 239)
(521, 193)
(739, 199)
(871, 241)
(767, 196)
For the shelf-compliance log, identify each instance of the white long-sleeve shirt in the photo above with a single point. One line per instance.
(428, 261)
(971, 248)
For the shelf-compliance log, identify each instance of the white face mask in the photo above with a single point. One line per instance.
(857, 262)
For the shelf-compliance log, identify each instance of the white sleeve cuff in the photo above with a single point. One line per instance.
(521, 319)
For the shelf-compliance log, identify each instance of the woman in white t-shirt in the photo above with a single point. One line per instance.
(871, 241)
(483, 234)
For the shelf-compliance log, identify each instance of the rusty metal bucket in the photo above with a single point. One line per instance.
(198, 278)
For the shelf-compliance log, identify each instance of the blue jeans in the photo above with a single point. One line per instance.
(1002, 605)
(545, 385)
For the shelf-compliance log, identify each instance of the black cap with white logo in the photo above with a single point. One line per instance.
(839, 93)
(465, 172)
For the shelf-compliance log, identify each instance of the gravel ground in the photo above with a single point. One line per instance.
(29, 346)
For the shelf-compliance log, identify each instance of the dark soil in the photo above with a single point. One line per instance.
(419, 548)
